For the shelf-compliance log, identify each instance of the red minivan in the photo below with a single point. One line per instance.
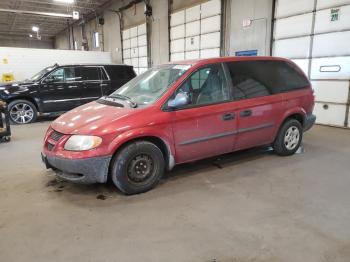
(181, 112)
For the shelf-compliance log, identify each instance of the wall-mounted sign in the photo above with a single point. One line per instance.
(75, 15)
(335, 14)
(246, 23)
(5, 61)
(247, 53)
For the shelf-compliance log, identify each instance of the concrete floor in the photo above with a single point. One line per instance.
(246, 206)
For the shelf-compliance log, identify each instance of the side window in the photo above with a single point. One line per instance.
(245, 83)
(89, 73)
(65, 74)
(261, 78)
(103, 74)
(206, 86)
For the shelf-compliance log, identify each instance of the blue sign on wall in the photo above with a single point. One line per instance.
(247, 53)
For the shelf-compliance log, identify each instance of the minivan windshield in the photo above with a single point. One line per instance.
(146, 88)
(39, 75)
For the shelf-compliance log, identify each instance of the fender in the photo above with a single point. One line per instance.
(164, 133)
(288, 113)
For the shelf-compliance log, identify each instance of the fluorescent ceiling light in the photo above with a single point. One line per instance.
(35, 28)
(65, 1)
(30, 35)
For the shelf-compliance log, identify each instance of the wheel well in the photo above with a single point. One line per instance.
(297, 117)
(153, 139)
(25, 98)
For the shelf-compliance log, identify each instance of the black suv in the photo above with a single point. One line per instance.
(59, 88)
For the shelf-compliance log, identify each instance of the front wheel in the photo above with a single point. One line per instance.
(138, 167)
(288, 138)
(22, 112)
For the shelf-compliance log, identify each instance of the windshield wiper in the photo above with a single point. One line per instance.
(126, 98)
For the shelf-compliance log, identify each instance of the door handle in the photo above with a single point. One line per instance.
(245, 113)
(228, 116)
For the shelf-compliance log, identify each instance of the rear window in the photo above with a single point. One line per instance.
(261, 78)
(120, 72)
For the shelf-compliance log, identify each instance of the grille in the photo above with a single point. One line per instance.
(56, 135)
(49, 146)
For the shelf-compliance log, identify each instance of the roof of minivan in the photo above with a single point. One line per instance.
(227, 59)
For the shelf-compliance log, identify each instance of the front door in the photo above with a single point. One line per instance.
(208, 125)
(60, 91)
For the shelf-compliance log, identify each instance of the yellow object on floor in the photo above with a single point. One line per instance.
(8, 77)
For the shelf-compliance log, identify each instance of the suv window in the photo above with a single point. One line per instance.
(63, 74)
(261, 78)
(206, 86)
(120, 72)
(90, 73)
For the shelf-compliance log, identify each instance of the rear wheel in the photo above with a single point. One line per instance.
(288, 138)
(22, 112)
(137, 168)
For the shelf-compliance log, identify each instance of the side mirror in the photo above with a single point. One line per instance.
(180, 100)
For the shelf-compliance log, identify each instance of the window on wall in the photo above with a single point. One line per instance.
(195, 32)
(135, 48)
(96, 38)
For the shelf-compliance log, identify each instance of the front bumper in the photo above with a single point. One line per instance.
(309, 121)
(83, 171)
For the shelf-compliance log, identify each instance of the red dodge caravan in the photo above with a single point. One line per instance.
(181, 112)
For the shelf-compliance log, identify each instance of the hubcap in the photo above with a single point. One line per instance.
(291, 138)
(140, 168)
(22, 113)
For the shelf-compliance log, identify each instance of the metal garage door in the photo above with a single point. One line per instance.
(135, 48)
(196, 32)
(316, 35)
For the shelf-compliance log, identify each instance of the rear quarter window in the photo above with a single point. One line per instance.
(261, 78)
(120, 72)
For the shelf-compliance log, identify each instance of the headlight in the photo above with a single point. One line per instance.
(81, 143)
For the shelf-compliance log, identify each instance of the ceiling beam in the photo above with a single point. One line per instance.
(15, 11)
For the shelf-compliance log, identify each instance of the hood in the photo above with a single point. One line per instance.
(15, 86)
(93, 118)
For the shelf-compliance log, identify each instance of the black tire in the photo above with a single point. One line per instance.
(284, 144)
(28, 107)
(137, 167)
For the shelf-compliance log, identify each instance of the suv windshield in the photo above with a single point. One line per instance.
(41, 73)
(146, 88)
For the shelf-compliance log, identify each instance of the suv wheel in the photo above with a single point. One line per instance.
(138, 167)
(22, 112)
(288, 138)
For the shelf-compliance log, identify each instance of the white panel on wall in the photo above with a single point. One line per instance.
(192, 43)
(330, 68)
(209, 53)
(126, 44)
(143, 62)
(177, 56)
(303, 64)
(192, 55)
(177, 32)
(293, 26)
(134, 52)
(133, 31)
(193, 28)
(142, 70)
(294, 7)
(293, 47)
(211, 24)
(210, 8)
(210, 40)
(332, 44)
(193, 13)
(143, 51)
(133, 42)
(127, 61)
(330, 114)
(177, 45)
(323, 23)
(330, 3)
(331, 91)
(177, 18)
(135, 62)
(126, 53)
(142, 40)
(126, 34)
(141, 29)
